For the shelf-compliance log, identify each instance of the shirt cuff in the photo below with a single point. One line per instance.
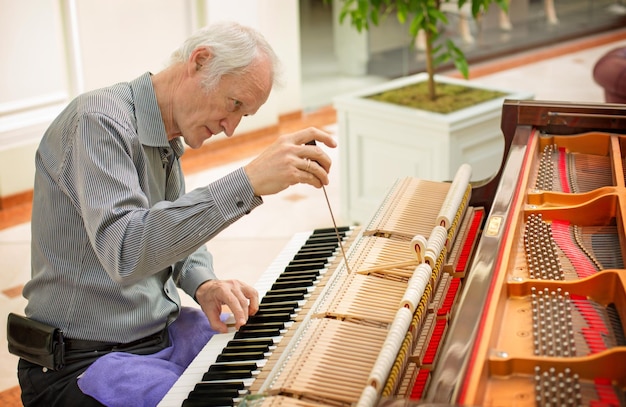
(234, 195)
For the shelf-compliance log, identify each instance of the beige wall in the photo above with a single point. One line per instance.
(53, 50)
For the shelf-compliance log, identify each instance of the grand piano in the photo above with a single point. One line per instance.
(501, 293)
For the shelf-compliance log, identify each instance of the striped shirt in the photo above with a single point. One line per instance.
(108, 249)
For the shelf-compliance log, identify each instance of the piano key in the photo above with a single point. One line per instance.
(208, 402)
(242, 356)
(283, 276)
(272, 305)
(303, 267)
(254, 326)
(282, 298)
(287, 281)
(292, 284)
(290, 290)
(323, 239)
(205, 387)
(314, 254)
(271, 317)
(223, 367)
(277, 308)
(217, 391)
(195, 370)
(258, 333)
(246, 348)
(312, 275)
(226, 375)
(250, 341)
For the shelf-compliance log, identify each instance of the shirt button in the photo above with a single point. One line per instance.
(240, 204)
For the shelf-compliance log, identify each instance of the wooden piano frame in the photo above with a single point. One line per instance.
(519, 119)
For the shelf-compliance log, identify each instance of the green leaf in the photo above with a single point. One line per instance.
(458, 58)
(423, 15)
(462, 66)
(416, 25)
(440, 59)
(438, 15)
(374, 17)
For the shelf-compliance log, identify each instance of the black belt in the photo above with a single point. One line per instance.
(82, 345)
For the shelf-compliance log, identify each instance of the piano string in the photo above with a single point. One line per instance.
(554, 326)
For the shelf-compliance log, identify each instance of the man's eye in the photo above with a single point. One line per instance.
(234, 105)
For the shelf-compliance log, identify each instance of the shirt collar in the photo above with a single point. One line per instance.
(150, 127)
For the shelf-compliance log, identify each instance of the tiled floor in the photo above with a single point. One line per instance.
(247, 248)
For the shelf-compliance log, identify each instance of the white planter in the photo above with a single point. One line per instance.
(382, 142)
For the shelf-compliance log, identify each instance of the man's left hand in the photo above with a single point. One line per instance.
(241, 298)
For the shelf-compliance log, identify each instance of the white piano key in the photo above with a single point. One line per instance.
(196, 369)
(208, 355)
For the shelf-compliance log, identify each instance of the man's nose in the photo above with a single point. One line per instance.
(230, 123)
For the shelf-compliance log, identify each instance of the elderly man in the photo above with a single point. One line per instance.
(114, 234)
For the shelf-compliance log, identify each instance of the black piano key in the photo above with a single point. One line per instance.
(299, 266)
(287, 280)
(225, 367)
(341, 229)
(246, 348)
(208, 402)
(240, 356)
(272, 312)
(314, 262)
(249, 341)
(304, 266)
(323, 239)
(281, 285)
(269, 325)
(288, 291)
(259, 333)
(327, 232)
(274, 317)
(314, 245)
(219, 390)
(320, 244)
(316, 254)
(216, 386)
(227, 375)
(271, 298)
(277, 304)
(273, 308)
(297, 274)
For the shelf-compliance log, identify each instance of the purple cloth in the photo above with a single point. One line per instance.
(125, 379)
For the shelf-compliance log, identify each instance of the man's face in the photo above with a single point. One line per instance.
(199, 114)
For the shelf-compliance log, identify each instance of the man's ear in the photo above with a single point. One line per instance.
(198, 58)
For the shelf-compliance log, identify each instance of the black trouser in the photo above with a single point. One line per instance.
(44, 387)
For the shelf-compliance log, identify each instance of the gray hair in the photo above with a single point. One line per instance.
(233, 48)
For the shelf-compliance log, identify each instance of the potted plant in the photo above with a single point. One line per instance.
(384, 139)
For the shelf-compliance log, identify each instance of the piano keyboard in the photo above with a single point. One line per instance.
(228, 364)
